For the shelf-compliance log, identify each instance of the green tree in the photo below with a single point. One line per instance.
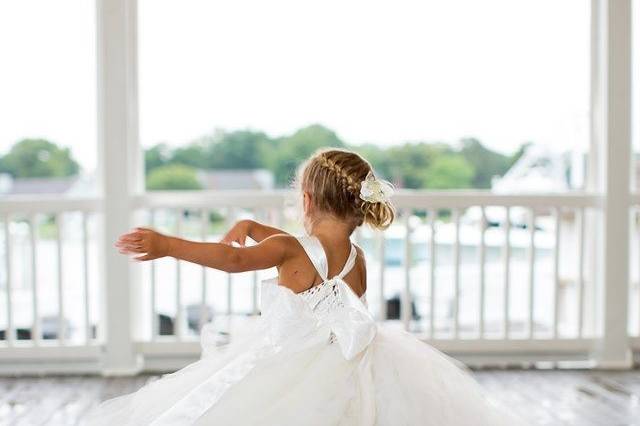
(290, 151)
(192, 155)
(173, 177)
(156, 156)
(516, 155)
(378, 157)
(241, 149)
(408, 163)
(485, 162)
(448, 172)
(38, 158)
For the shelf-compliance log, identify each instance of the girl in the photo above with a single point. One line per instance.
(315, 356)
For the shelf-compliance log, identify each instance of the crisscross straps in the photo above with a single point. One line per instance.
(351, 261)
(315, 251)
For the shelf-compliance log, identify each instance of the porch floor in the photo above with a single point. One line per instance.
(544, 397)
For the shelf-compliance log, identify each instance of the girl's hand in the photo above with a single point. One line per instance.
(238, 233)
(145, 242)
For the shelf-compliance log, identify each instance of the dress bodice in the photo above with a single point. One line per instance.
(329, 307)
(322, 297)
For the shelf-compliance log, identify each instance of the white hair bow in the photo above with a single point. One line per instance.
(375, 190)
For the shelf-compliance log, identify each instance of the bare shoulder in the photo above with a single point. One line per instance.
(283, 241)
(282, 237)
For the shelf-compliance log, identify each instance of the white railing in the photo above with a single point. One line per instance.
(451, 304)
(452, 270)
(37, 322)
(634, 273)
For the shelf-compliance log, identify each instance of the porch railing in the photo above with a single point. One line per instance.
(37, 325)
(634, 273)
(488, 278)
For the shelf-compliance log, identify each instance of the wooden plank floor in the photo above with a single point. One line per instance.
(547, 397)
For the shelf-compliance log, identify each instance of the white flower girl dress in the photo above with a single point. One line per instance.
(313, 358)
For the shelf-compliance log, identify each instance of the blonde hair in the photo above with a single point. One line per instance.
(333, 178)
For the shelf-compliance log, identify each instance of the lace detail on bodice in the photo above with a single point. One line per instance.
(324, 296)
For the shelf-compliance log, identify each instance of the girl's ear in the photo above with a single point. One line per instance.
(306, 202)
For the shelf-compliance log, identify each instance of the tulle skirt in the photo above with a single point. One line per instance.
(396, 380)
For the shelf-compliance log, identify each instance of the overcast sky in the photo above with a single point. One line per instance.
(504, 71)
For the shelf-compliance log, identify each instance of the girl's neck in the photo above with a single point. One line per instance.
(330, 228)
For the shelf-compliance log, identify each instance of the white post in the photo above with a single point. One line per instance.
(381, 273)
(406, 311)
(612, 115)
(119, 173)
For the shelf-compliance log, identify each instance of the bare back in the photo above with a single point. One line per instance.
(300, 271)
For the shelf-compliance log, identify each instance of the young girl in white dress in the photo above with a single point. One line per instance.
(316, 356)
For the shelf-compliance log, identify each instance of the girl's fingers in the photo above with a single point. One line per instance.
(130, 237)
(230, 239)
(143, 258)
(135, 242)
(131, 248)
(127, 251)
(129, 243)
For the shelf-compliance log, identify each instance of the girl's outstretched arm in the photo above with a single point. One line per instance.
(249, 228)
(149, 244)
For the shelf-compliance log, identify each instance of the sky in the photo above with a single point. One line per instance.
(384, 72)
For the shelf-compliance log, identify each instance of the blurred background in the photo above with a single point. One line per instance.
(186, 116)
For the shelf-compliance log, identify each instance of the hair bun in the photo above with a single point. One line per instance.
(378, 215)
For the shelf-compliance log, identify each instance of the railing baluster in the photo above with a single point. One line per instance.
(155, 329)
(532, 269)
(10, 332)
(432, 271)
(204, 232)
(381, 272)
(87, 296)
(507, 274)
(456, 275)
(61, 321)
(482, 256)
(231, 215)
(405, 306)
(279, 218)
(254, 283)
(556, 271)
(178, 332)
(581, 223)
(33, 235)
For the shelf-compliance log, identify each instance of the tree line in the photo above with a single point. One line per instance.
(417, 165)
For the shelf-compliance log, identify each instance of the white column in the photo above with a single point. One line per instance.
(119, 170)
(611, 105)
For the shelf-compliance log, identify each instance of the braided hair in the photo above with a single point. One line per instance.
(333, 177)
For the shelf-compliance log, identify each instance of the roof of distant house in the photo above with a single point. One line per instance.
(45, 185)
(236, 179)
